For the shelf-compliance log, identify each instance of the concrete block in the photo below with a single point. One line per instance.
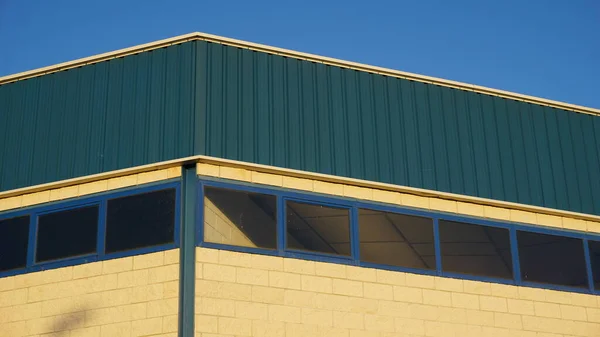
(163, 307)
(93, 187)
(491, 303)
(361, 274)
(207, 170)
(163, 273)
(448, 284)
(466, 301)
(148, 260)
(267, 179)
(476, 287)
(330, 270)
(379, 323)
(437, 297)
(408, 294)
(410, 326)
(284, 280)
(471, 209)
(509, 321)
(299, 266)
(378, 291)
(152, 176)
(317, 317)
(346, 287)
(415, 201)
(420, 281)
(219, 272)
(549, 220)
(268, 329)
(521, 307)
(249, 310)
(498, 213)
(394, 309)
(267, 295)
(390, 277)
(298, 298)
(523, 216)
(121, 182)
(252, 276)
(298, 183)
(284, 313)
(35, 198)
(117, 265)
(206, 323)
(574, 224)
(216, 307)
(328, 188)
(442, 205)
(316, 284)
(87, 270)
(235, 173)
(547, 309)
(348, 320)
(11, 203)
(358, 192)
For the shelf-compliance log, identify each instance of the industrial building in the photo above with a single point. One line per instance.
(204, 186)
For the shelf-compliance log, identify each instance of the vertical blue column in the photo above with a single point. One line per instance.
(187, 264)
(437, 246)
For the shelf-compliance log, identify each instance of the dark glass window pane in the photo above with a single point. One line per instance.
(594, 247)
(67, 233)
(141, 220)
(475, 250)
(14, 234)
(396, 239)
(318, 228)
(551, 259)
(240, 218)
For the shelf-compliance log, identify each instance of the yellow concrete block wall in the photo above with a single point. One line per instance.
(80, 190)
(241, 294)
(127, 297)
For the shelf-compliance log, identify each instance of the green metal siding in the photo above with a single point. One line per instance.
(279, 111)
(110, 115)
(222, 101)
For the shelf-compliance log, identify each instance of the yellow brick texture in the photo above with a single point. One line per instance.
(103, 185)
(252, 295)
(132, 296)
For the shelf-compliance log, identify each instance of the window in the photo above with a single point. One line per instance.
(317, 228)
(475, 250)
(551, 259)
(14, 235)
(594, 248)
(67, 233)
(396, 239)
(240, 218)
(141, 220)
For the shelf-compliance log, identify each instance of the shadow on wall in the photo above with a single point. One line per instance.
(76, 319)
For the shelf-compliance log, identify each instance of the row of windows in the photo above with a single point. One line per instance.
(283, 223)
(276, 222)
(91, 228)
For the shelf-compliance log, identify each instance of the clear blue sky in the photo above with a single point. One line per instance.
(545, 48)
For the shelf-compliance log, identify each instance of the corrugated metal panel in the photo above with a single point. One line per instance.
(296, 114)
(120, 113)
(223, 101)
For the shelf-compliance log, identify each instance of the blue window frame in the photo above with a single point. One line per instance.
(501, 244)
(97, 203)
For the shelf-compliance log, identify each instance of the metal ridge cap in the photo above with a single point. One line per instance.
(97, 58)
(298, 55)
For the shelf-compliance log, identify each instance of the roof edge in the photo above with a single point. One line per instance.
(298, 55)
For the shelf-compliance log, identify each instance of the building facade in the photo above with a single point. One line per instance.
(210, 187)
